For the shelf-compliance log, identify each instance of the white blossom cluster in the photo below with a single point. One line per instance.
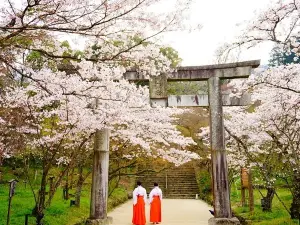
(274, 119)
(63, 107)
(93, 99)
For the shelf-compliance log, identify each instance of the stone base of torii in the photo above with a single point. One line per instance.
(224, 221)
(106, 221)
(158, 95)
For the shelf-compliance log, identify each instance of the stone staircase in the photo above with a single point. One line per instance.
(175, 182)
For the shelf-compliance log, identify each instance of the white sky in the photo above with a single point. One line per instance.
(219, 19)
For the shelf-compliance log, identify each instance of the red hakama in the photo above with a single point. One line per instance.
(139, 217)
(155, 210)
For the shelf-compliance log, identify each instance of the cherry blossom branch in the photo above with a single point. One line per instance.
(246, 150)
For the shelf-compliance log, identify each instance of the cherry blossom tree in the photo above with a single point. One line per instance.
(272, 125)
(61, 114)
(278, 24)
(28, 25)
(245, 151)
(60, 88)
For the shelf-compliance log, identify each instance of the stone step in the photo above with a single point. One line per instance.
(169, 185)
(169, 176)
(177, 191)
(164, 178)
(182, 188)
(180, 184)
(181, 196)
(170, 172)
(153, 179)
(192, 194)
(170, 191)
(175, 181)
(172, 186)
(145, 183)
(181, 191)
(180, 181)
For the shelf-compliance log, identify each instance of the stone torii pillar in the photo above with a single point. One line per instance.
(221, 192)
(99, 191)
(158, 90)
(213, 74)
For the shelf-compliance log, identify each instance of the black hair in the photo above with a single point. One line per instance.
(139, 183)
(155, 184)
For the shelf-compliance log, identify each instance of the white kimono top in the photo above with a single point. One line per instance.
(139, 191)
(156, 191)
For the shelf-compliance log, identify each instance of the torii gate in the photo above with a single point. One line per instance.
(158, 94)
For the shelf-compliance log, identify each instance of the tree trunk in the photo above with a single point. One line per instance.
(79, 186)
(243, 196)
(0, 168)
(266, 202)
(71, 178)
(67, 187)
(38, 211)
(295, 207)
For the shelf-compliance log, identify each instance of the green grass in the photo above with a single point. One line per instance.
(278, 216)
(22, 203)
(59, 213)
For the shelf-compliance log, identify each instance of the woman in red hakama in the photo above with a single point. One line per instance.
(139, 200)
(155, 201)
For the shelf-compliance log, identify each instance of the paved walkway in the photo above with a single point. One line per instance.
(174, 212)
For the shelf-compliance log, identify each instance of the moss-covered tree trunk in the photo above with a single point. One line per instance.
(268, 199)
(295, 207)
(79, 186)
(38, 211)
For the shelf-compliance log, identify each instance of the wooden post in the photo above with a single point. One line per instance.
(12, 186)
(26, 219)
(51, 184)
(99, 192)
(250, 188)
(8, 211)
(243, 196)
(244, 185)
(221, 190)
(67, 187)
